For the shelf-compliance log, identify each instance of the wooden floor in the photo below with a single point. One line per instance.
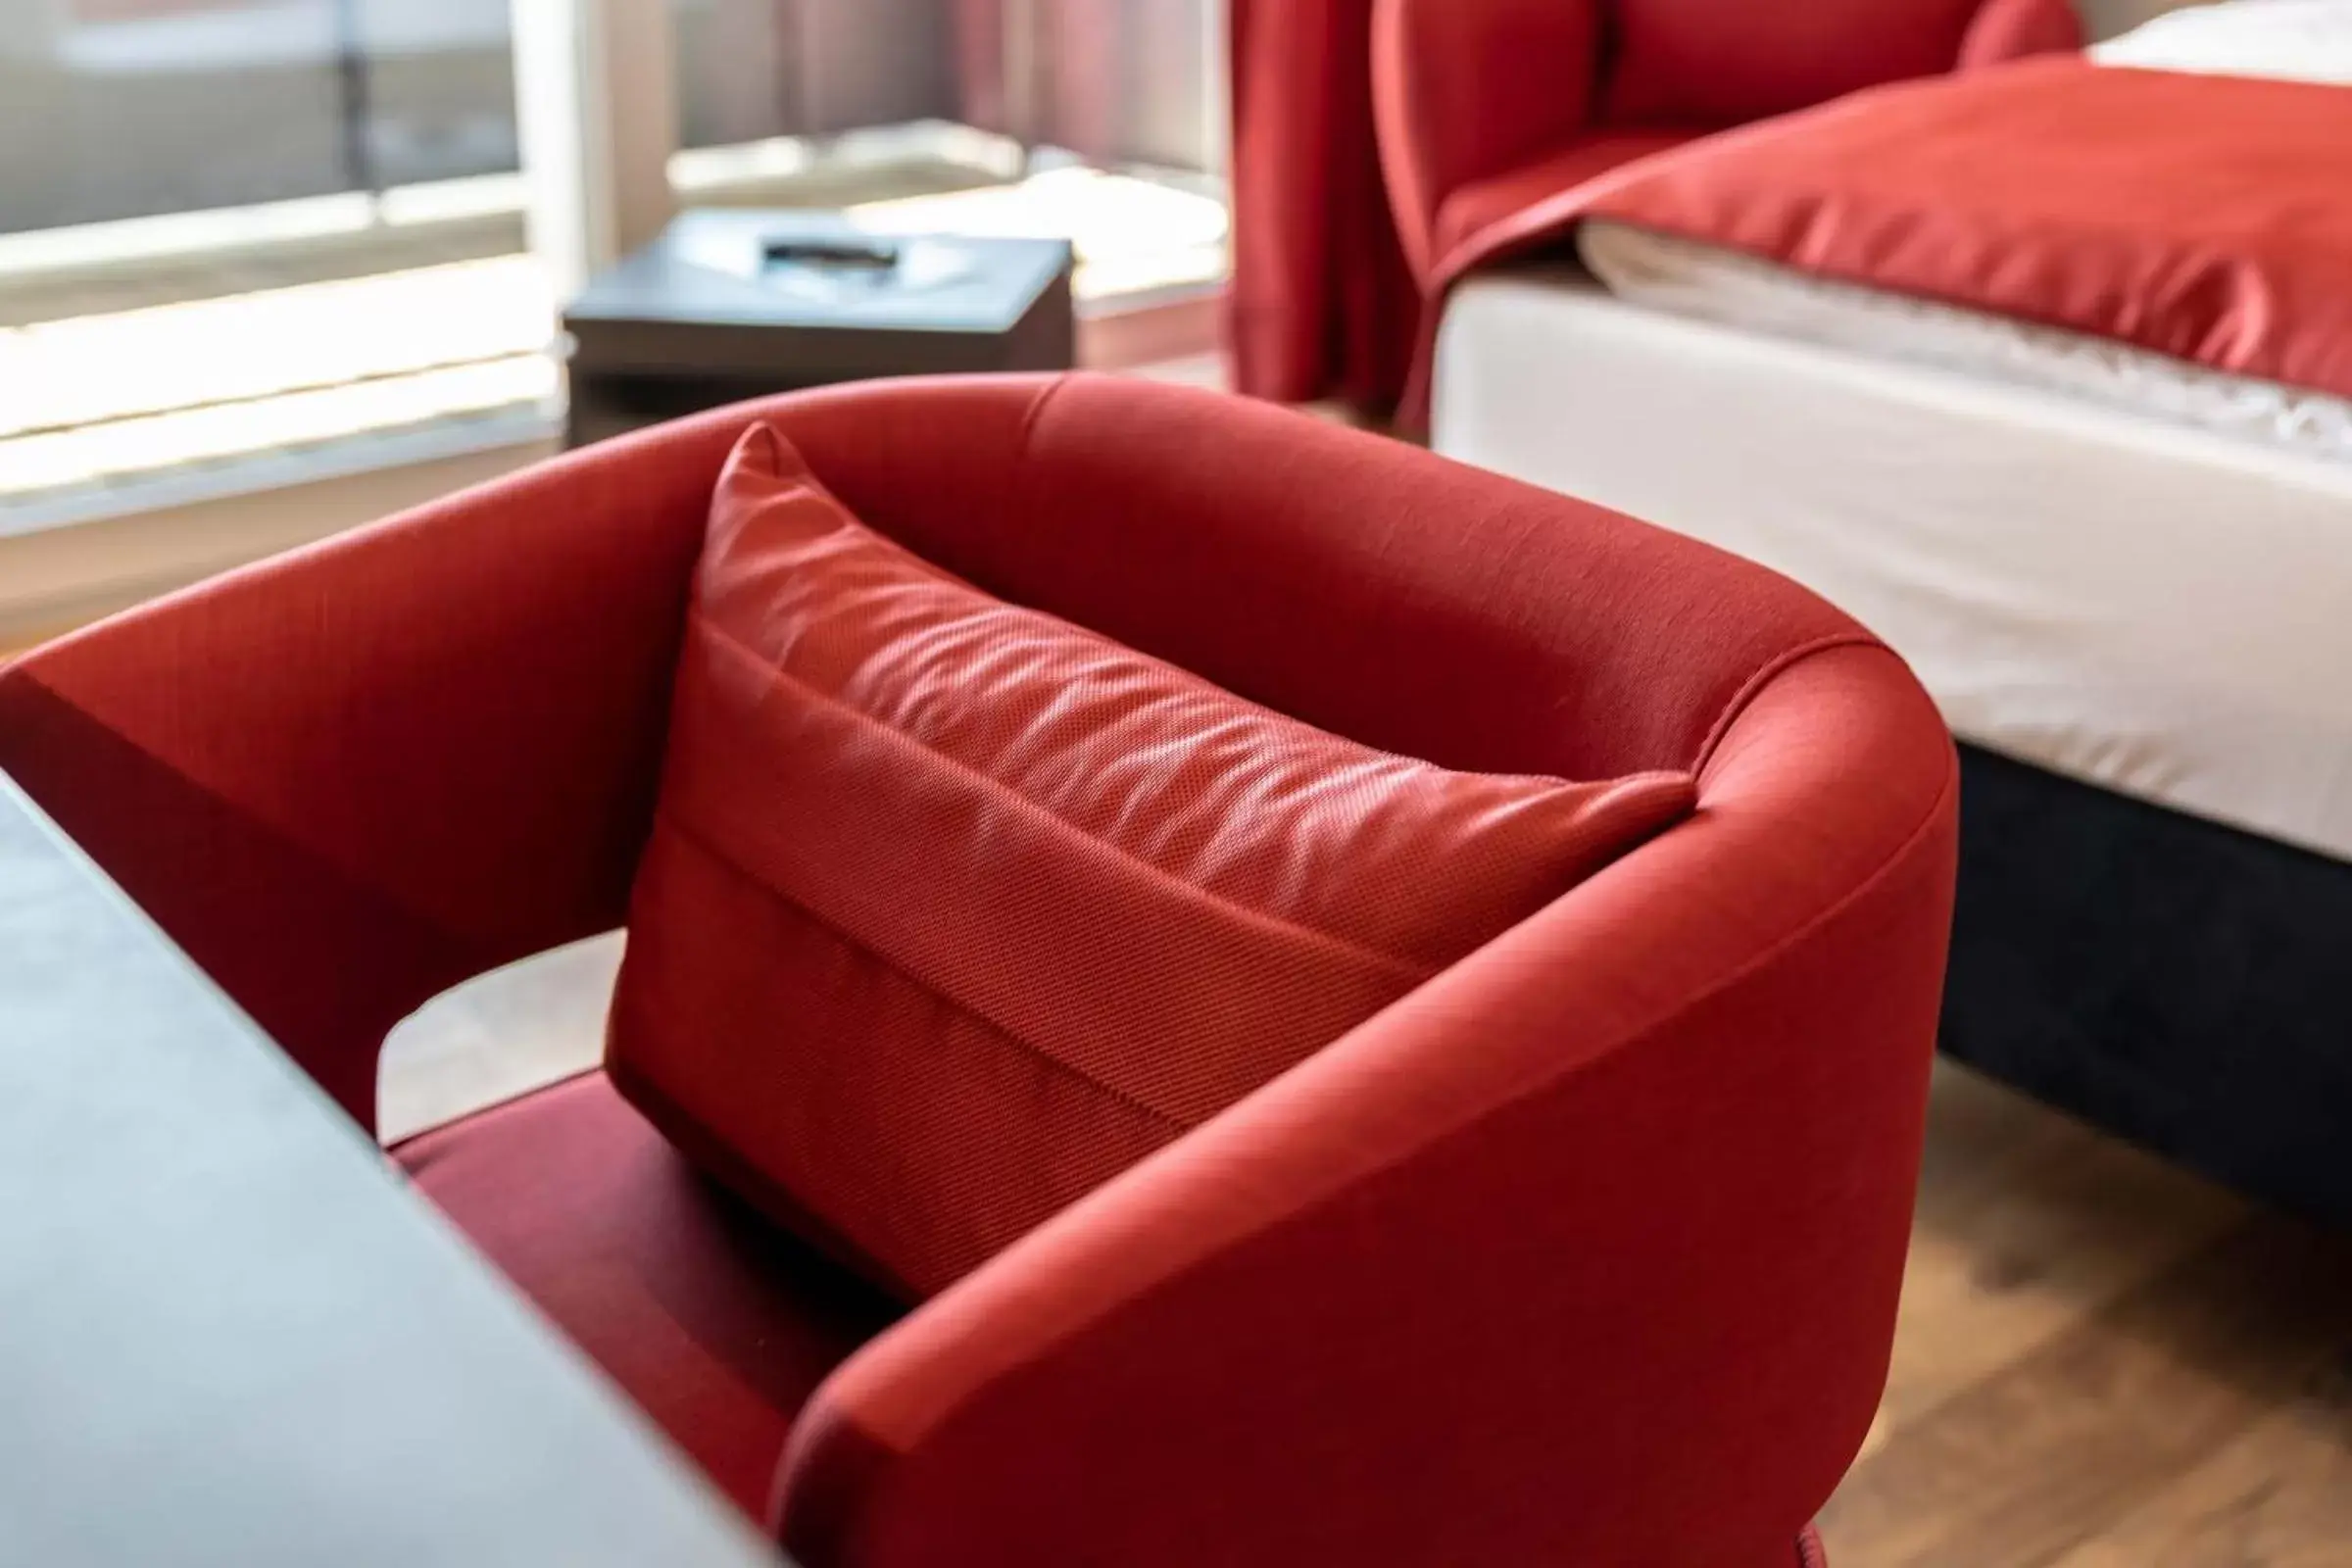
(2103, 1362)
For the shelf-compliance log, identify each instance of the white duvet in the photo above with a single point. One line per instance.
(2294, 40)
(2309, 40)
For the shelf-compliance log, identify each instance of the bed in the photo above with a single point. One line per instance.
(2127, 578)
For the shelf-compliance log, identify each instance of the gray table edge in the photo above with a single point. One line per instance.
(229, 1332)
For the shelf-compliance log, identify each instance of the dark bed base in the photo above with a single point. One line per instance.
(2185, 985)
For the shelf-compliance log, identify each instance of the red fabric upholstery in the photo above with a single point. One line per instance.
(2203, 218)
(1202, 1318)
(953, 910)
(1586, 1250)
(717, 1323)
(1723, 61)
(1476, 100)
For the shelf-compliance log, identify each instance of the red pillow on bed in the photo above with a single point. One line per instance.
(1726, 62)
(953, 910)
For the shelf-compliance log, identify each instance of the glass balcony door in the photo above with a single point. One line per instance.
(208, 187)
(125, 109)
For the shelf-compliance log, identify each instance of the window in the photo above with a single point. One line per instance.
(118, 109)
(1093, 120)
(1115, 82)
(232, 228)
(756, 70)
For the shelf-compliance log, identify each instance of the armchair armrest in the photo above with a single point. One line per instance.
(2012, 30)
(1463, 89)
(349, 777)
(1613, 1213)
(345, 779)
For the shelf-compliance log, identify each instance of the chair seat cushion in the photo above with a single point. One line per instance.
(953, 910)
(713, 1320)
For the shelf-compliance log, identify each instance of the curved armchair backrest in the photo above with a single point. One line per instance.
(1336, 1323)
(1586, 1250)
(1404, 601)
(352, 776)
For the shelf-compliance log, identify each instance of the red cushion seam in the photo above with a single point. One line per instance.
(1765, 674)
(1035, 411)
(670, 818)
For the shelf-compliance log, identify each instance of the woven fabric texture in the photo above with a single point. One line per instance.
(955, 908)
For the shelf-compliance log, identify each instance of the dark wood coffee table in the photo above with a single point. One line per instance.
(730, 303)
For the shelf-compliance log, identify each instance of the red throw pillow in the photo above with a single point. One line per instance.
(953, 910)
(1727, 62)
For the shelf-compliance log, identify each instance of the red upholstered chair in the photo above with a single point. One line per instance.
(1586, 1252)
(1487, 106)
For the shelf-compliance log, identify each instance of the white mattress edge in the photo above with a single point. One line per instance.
(2153, 609)
(1735, 289)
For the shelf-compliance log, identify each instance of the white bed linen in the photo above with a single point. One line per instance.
(1709, 283)
(2306, 40)
(2127, 601)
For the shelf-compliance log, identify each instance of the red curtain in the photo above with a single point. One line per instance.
(980, 65)
(1322, 304)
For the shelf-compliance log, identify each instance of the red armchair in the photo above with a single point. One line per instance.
(1587, 1252)
(1486, 106)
